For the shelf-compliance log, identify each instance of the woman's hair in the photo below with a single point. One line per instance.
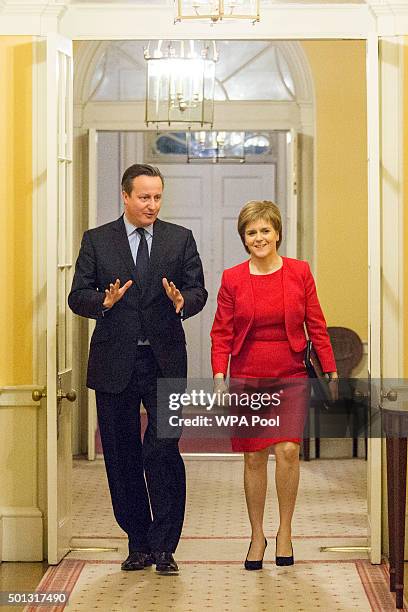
(259, 209)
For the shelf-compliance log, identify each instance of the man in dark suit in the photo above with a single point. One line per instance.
(139, 277)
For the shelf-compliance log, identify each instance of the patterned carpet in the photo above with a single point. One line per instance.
(331, 500)
(221, 587)
(331, 511)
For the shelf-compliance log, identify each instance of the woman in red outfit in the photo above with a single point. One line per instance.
(263, 307)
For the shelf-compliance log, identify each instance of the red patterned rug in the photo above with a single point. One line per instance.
(376, 579)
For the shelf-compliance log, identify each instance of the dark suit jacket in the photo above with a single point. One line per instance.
(105, 256)
(236, 309)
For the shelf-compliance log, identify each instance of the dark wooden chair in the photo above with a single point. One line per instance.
(348, 352)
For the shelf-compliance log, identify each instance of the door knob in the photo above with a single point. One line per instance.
(390, 395)
(69, 395)
(38, 394)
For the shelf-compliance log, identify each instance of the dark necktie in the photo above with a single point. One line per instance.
(142, 257)
(142, 268)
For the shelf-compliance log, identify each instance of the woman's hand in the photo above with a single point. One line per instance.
(220, 389)
(115, 293)
(333, 386)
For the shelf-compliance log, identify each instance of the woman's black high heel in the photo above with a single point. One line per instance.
(254, 565)
(281, 561)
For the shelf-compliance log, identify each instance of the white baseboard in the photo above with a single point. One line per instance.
(21, 534)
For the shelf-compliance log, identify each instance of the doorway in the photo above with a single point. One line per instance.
(309, 217)
(206, 197)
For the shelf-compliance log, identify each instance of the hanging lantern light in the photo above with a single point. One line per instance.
(180, 82)
(217, 10)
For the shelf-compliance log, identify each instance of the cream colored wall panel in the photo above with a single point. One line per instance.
(21, 534)
(18, 450)
(21, 520)
(17, 396)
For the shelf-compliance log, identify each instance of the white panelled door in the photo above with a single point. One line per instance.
(59, 276)
(188, 201)
(207, 200)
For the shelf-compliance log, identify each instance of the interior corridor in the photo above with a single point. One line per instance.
(331, 511)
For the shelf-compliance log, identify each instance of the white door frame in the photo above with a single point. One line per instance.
(374, 475)
(351, 22)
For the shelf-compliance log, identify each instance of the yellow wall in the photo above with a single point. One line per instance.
(338, 69)
(15, 210)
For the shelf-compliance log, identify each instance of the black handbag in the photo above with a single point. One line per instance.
(319, 383)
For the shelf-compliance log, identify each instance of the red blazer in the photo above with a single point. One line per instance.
(235, 314)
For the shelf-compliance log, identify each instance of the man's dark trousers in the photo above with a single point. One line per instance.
(127, 459)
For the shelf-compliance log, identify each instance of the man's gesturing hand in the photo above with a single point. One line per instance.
(174, 295)
(115, 293)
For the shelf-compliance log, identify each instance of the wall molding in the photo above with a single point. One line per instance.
(21, 533)
(18, 396)
(99, 20)
(279, 20)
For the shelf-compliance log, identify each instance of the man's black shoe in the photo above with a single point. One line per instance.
(165, 563)
(137, 561)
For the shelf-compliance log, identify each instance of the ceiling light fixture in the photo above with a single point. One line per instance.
(180, 82)
(217, 10)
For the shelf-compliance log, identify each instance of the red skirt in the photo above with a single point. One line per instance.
(268, 368)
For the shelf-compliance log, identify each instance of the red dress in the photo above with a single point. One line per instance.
(266, 354)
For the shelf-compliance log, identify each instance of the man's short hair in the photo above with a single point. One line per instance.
(138, 170)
